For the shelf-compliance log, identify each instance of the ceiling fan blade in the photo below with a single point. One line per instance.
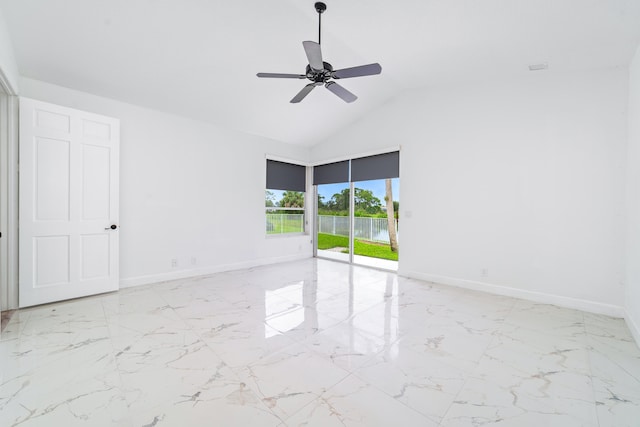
(362, 70)
(282, 76)
(314, 55)
(304, 92)
(341, 92)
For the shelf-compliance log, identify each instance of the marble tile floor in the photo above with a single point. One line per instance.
(314, 343)
(365, 261)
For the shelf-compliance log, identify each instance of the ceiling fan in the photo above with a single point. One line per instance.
(321, 73)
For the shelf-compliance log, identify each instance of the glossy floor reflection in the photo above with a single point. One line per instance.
(315, 343)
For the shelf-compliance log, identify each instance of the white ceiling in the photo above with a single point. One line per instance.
(199, 58)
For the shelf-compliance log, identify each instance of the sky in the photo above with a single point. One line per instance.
(376, 186)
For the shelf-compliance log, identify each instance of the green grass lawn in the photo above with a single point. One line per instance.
(328, 241)
(360, 247)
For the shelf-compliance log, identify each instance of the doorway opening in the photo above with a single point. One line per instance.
(357, 216)
(375, 223)
(334, 221)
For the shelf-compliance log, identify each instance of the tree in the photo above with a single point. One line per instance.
(391, 223)
(364, 202)
(367, 202)
(339, 201)
(269, 198)
(292, 199)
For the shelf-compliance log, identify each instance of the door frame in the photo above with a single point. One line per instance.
(351, 201)
(352, 221)
(8, 195)
(316, 228)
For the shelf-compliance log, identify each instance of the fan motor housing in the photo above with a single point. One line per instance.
(320, 76)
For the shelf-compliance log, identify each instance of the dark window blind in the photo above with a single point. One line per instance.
(285, 176)
(381, 166)
(331, 173)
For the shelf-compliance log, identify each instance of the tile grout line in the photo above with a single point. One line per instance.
(232, 370)
(468, 377)
(590, 366)
(114, 353)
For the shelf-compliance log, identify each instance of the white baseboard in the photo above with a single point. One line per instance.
(633, 326)
(561, 301)
(203, 271)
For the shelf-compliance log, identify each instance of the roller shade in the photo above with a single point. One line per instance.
(331, 173)
(285, 176)
(381, 166)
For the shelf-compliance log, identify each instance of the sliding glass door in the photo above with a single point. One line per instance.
(375, 223)
(357, 210)
(333, 208)
(334, 221)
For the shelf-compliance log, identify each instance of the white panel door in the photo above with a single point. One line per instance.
(68, 203)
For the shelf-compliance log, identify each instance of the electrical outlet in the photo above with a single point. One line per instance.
(174, 263)
(484, 272)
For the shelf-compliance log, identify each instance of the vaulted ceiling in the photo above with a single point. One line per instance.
(198, 58)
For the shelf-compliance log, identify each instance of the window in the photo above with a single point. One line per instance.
(284, 198)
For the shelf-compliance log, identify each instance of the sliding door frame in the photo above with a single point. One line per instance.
(352, 212)
(351, 201)
(316, 223)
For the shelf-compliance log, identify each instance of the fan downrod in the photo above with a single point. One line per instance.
(320, 7)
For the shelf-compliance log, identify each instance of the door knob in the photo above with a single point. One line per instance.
(113, 227)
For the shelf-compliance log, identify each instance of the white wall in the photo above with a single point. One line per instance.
(187, 189)
(632, 279)
(8, 66)
(523, 178)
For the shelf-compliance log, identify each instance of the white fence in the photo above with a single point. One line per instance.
(285, 223)
(372, 229)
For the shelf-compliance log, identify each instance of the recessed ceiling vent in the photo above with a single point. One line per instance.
(538, 67)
